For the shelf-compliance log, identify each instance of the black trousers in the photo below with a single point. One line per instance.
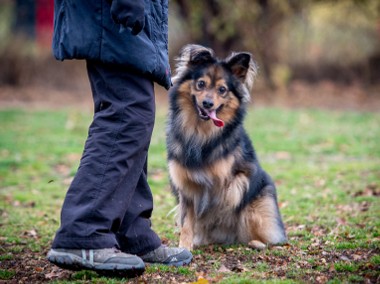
(109, 202)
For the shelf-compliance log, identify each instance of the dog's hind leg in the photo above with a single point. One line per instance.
(262, 221)
(187, 226)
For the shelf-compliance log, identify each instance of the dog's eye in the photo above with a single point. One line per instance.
(201, 85)
(222, 90)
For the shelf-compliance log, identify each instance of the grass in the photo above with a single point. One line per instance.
(326, 165)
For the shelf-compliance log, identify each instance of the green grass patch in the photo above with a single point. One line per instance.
(6, 274)
(375, 260)
(345, 267)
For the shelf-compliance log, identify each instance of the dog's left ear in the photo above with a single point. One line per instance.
(191, 55)
(243, 67)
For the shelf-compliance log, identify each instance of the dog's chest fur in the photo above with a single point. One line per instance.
(215, 192)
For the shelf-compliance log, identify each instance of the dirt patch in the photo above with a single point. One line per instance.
(323, 95)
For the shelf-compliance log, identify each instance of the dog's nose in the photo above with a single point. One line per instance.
(207, 104)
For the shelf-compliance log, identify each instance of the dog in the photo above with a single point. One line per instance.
(223, 194)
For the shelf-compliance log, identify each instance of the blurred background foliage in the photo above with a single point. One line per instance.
(291, 40)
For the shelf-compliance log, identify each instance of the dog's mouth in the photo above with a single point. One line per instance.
(209, 114)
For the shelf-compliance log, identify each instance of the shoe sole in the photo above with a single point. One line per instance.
(71, 262)
(176, 264)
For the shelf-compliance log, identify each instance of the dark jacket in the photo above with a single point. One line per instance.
(84, 29)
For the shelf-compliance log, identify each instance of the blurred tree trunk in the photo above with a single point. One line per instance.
(227, 26)
(201, 28)
(265, 33)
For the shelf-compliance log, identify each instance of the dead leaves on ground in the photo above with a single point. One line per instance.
(369, 190)
(315, 263)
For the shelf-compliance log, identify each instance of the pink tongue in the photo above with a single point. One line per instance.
(216, 120)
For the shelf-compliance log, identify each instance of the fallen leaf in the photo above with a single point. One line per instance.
(39, 269)
(344, 258)
(223, 269)
(332, 267)
(201, 280)
(55, 273)
(32, 233)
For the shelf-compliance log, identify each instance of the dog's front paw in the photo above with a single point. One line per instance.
(187, 244)
(257, 245)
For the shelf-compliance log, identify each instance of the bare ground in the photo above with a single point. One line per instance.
(324, 95)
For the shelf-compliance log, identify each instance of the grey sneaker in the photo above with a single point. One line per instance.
(104, 261)
(168, 256)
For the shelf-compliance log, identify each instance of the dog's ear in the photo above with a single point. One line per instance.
(192, 55)
(200, 55)
(243, 67)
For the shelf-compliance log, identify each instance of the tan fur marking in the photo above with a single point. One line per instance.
(177, 173)
(221, 170)
(185, 103)
(185, 87)
(187, 230)
(260, 220)
(182, 179)
(229, 109)
(207, 80)
(221, 83)
(234, 193)
(219, 173)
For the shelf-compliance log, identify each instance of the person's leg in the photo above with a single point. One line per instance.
(109, 194)
(135, 235)
(112, 164)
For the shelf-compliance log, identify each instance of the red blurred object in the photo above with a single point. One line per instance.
(44, 22)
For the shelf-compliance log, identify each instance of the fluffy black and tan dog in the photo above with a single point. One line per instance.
(224, 195)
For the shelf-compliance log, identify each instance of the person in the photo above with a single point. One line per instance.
(105, 217)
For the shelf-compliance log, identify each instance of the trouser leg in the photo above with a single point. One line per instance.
(135, 235)
(112, 164)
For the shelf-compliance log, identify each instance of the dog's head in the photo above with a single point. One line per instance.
(216, 87)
